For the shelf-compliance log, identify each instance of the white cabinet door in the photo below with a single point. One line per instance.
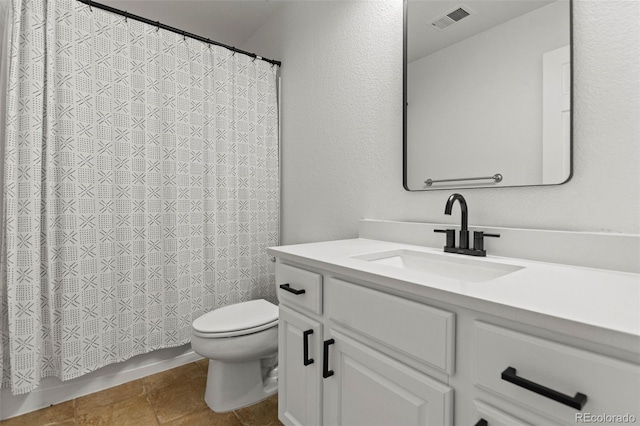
(299, 364)
(368, 388)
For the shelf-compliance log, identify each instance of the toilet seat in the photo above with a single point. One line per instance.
(236, 332)
(237, 320)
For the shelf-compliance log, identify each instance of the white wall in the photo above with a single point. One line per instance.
(475, 107)
(342, 125)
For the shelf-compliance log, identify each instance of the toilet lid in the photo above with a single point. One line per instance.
(240, 316)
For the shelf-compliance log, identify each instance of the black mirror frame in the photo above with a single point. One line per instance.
(405, 33)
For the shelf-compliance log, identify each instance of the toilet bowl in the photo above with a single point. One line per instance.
(241, 342)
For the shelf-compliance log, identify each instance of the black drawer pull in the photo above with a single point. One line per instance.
(305, 347)
(482, 422)
(292, 290)
(325, 362)
(576, 401)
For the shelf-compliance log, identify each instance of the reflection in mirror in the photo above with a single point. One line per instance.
(487, 93)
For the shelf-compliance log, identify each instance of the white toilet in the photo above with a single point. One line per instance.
(241, 342)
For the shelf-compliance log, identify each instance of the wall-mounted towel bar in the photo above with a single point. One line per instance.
(496, 178)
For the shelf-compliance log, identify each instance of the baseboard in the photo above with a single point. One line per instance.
(53, 391)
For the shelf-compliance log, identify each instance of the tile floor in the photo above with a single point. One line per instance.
(173, 397)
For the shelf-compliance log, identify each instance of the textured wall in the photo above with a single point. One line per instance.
(342, 125)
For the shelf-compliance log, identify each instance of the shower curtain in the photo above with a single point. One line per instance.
(141, 188)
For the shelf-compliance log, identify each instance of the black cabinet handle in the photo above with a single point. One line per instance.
(576, 401)
(482, 422)
(292, 290)
(325, 362)
(305, 348)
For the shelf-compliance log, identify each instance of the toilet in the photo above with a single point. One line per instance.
(241, 342)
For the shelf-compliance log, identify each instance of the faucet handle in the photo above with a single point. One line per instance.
(478, 239)
(451, 236)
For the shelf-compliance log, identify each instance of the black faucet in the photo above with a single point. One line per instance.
(464, 229)
(478, 236)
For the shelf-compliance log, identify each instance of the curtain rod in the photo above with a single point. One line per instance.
(174, 30)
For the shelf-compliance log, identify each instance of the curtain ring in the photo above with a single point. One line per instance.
(126, 16)
(254, 58)
(90, 8)
(233, 48)
(184, 37)
(157, 26)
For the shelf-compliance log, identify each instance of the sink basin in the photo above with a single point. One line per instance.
(449, 266)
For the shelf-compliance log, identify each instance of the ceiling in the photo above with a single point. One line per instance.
(231, 22)
(425, 39)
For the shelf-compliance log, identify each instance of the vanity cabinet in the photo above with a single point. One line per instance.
(358, 352)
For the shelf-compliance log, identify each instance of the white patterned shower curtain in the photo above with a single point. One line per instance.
(141, 188)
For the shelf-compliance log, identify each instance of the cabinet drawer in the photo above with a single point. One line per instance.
(494, 417)
(302, 288)
(419, 331)
(610, 386)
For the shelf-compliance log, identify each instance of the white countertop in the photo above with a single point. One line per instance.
(600, 298)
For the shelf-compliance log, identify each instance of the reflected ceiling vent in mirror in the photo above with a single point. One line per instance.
(451, 18)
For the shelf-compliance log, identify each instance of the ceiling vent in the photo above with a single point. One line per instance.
(451, 18)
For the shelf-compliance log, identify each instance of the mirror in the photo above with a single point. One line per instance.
(487, 93)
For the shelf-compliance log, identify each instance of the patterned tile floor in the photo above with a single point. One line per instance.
(173, 397)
